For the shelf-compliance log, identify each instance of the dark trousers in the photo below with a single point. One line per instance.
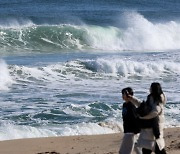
(157, 151)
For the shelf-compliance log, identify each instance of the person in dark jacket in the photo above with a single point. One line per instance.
(130, 123)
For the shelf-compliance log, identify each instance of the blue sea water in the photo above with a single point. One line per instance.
(63, 63)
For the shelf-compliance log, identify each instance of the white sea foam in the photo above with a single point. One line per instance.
(142, 34)
(73, 70)
(91, 128)
(137, 33)
(50, 73)
(5, 78)
(11, 131)
(127, 68)
(77, 110)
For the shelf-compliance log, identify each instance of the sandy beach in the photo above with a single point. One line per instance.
(91, 144)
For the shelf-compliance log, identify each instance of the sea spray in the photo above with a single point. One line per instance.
(141, 34)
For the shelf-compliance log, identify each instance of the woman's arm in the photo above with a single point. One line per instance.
(134, 100)
(155, 112)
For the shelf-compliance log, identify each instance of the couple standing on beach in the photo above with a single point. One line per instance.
(143, 122)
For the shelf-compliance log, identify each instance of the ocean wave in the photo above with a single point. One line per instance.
(130, 68)
(13, 131)
(135, 33)
(100, 69)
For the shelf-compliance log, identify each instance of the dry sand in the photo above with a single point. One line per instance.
(92, 144)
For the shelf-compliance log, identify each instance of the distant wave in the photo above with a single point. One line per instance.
(135, 33)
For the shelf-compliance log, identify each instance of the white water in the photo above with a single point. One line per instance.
(137, 33)
(106, 66)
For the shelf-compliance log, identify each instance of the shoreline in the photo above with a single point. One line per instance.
(82, 144)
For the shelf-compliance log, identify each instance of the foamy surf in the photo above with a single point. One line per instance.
(12, 131)
(95, 69)
(5, 78)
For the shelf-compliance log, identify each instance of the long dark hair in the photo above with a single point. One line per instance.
(156, 92)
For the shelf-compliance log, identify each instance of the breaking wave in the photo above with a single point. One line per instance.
(101, 68)
(135, 33)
